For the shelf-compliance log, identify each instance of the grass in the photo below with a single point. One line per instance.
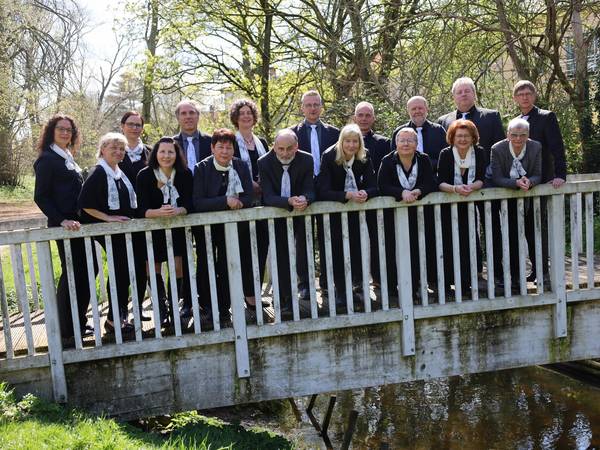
(20, 193)
(31, 423)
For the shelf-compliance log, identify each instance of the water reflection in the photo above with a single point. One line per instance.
(517, 409)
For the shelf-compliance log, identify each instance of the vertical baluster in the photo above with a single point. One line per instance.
(365, 259)
(13, 265)
(489, 250)
(192, 277)
(456, 252)
(212, 278)
(439, 254)
(89, 259)
(574, 219)
(293, 275)
(404, 273)
(473, 231)
(137, 320)
(537, 223)
(101, 279)
(72, 294)
(274, 270)
(153, 284)
(556, 244)
(329, 265)
(34, 288)
(5, 317)
(347, 264)
(505, 247)
(382, 262)
(19, 277)
(256, 273)
(522, 248)
(112, 281)
(422, 262)
(310, 259)
(578, 198)
(589, 238)
(173, 282)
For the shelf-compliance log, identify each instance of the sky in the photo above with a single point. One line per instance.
(102, 14)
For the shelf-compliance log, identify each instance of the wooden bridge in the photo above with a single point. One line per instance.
(392, 337)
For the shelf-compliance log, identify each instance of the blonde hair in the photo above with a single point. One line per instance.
(346, 132)
(109, 138)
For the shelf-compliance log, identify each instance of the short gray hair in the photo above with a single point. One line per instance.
(361, 104)
(187, 102)
(464, 81)
(518, 124)
(311, 93)
(406, 130)
(417, 97)
(286, 132)
(109, 138)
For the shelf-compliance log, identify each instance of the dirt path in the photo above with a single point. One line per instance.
(10, 211)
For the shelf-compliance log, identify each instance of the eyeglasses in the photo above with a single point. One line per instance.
(64, 130)
(518, 135)
(134, 125)
(312, 105)
(524, 94)
(405, 141)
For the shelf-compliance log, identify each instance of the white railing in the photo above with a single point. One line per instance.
(316, 313)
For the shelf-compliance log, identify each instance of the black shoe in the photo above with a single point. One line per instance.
(186, 312)
(531, 277)
(304, 294)
(87, 331)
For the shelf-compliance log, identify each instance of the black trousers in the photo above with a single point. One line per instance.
(122, 271)
(262, 244)
(82, 287)
(337, 249)
(282, 254)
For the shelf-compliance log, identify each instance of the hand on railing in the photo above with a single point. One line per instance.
(357, 196)
(411, 196)
(71, 225)
(165, 211)
(299, 202)
(557, 182)
(523, 183)
(234, 203)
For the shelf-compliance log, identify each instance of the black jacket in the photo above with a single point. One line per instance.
(378, 147)
(56, 188)
(131, 169)
(332, 178)
(202, 149)
(301, 179)
(445, 169)
(328, 135)
(208, 182)
(389, 183)
(434, 139)
(149, 196)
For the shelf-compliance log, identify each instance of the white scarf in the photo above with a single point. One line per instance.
(467, 163)
(169, 191)
(516, 169)
(350, 182)
(244, 152)
(70, 163)
(408, 183)
(111, 181)
(135, 154)
(234, 184)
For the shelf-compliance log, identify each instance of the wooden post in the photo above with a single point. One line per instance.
(556, 243)
(57, 369)
(403, 269)
(236, 294)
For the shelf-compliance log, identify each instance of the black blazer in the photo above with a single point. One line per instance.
(389, 184)
(207, 186)
(202, 151)
(131, 169)
(328, 136)
(149, 196)
(434, 139)
(543, 127)
(487, 121)
(56, 188)
(445, 171)
(378, 147)
(332, 177)
(236, 153)
(301, 179)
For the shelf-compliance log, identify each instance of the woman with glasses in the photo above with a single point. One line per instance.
(58, 183)
(136, 152)
(164, 189)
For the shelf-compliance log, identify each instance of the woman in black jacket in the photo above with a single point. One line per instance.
(136, 152)
(58, 183)
(164, 189)
(407, 176)
(347, 174)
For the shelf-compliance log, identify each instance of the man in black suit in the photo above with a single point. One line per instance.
(314, 137)
(377, 145)
(194, 143)
(487, 121)
(431, 136)
(543, 127)
(286, 179)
